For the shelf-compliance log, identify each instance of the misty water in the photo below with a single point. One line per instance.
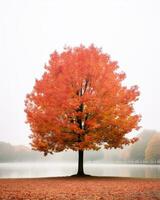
(29, 170)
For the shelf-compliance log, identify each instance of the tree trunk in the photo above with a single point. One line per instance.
(80, 163)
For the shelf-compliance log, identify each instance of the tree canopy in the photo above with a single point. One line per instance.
(80, 103)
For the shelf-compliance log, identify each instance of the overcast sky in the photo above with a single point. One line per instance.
(30, 30)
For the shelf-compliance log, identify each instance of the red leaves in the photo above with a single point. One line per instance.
(80, 102)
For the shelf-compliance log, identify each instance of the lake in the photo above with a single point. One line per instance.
(30, 170)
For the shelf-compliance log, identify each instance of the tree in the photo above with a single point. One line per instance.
(81, 104)
(137, 151)
(152, 152)
(6, 152)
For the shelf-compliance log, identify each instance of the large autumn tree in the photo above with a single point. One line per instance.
(81, 104)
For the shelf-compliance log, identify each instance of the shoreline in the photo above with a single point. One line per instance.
(83, 177)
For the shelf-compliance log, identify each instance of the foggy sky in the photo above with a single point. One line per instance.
(30, 30)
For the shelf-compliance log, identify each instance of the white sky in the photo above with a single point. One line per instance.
(30, 30)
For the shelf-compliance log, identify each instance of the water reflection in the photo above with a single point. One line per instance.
(27, 170)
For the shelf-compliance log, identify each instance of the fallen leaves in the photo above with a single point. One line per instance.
(69, 188)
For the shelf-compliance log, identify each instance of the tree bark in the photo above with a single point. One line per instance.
(80, 163)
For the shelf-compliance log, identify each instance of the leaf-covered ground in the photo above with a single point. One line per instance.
(74, 188)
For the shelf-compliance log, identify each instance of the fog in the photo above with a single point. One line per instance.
(30, 170)
(31, 30)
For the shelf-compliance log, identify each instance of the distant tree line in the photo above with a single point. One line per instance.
(11, 153)
(146, 150)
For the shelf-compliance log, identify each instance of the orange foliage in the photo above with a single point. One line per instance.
(80, 103)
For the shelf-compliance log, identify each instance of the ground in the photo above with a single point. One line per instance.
(76, 188)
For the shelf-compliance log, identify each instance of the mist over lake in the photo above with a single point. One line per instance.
(30, 170)
(22, 162)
